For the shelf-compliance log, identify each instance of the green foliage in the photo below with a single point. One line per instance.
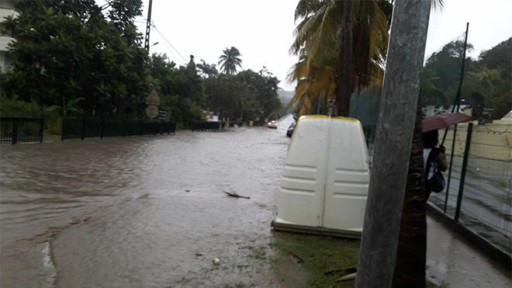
(77, 59)
(441, 75)
(17, 108)
(486, 86)
(207, 70)
(264, 85)
(180, 90)
(247, 95)
(182, 110)
(229, 60)
(67, 50)
(227, 95)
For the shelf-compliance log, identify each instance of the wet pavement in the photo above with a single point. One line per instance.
(453, 262)
(150, 212)
(139, 211)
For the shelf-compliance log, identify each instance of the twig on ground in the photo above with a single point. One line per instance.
(236, 195)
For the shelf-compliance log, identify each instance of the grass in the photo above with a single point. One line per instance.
(433, 285)
(259, 253)
(319, 254)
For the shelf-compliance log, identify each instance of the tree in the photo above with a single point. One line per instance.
(229, 60)
(318, 32)
(487, 79)
(264, 85)
(441, 74)
(411, 255)
(393, 145)
(173, 86)
(67, 50)
(494, 68)
(207, 70)
(224, 94)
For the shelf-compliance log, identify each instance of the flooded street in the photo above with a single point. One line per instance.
(141, 211)
(152, 211)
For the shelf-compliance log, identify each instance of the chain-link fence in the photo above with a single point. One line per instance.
(479, 191)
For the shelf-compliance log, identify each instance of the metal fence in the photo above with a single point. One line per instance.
(207, 126)
(97, 128)
(478, 195)
(21, 130)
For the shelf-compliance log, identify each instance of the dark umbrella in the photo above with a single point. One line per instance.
(441, 121)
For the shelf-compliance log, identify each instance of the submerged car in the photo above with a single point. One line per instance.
(272, 124)
(289, 131)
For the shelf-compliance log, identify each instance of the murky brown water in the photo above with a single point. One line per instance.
(151, 212)
(141, 211)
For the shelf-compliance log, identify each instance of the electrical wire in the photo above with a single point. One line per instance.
(168, 42)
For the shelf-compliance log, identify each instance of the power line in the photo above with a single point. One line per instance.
(169, 43)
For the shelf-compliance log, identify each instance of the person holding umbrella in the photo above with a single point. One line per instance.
(434, 161)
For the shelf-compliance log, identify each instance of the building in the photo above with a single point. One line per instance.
(6, 9)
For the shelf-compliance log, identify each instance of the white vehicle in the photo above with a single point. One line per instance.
(272, 124)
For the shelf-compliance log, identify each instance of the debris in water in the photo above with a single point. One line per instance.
(295, 258)
(348, 277)
(187, 190)
(342, 271)
(216, 261)
(230, 194)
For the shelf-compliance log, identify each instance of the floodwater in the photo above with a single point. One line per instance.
(151, 212)
(141, 211)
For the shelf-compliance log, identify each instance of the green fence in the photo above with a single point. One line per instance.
(97, 128)
(478, 196)
(21, 130)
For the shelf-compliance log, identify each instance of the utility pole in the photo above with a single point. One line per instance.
(148, 27)
(393, 143)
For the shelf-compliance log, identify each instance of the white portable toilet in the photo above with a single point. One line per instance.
(325, 180)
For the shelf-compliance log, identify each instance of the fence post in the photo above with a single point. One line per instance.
(102, 124)
(41, 130)
(62, 129)
(83, 129)
(463, 172)
(450, 169)
(123, 127)
(14, 138)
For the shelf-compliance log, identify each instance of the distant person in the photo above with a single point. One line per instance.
(435, 154)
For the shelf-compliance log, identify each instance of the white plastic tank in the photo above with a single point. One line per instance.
(325, 180)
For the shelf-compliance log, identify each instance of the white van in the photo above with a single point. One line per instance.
(325, 178)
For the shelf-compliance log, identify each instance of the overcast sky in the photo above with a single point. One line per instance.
(263, 29)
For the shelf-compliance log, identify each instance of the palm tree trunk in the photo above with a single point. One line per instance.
(412, 244)
(344, 69)
(394, 135)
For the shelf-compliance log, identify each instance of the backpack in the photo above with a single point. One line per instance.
(436, 183)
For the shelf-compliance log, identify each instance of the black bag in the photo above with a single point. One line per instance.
(436, 183)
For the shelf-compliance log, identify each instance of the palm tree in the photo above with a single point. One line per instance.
(315, 85)
(318, 42)
(229, 60)
(318, 32)
(411, 252)
(207, 70)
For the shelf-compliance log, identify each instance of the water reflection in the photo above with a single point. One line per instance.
(147, 202)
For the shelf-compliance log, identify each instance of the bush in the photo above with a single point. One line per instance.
(18, 108)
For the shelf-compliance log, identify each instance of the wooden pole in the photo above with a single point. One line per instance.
(393, 143)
